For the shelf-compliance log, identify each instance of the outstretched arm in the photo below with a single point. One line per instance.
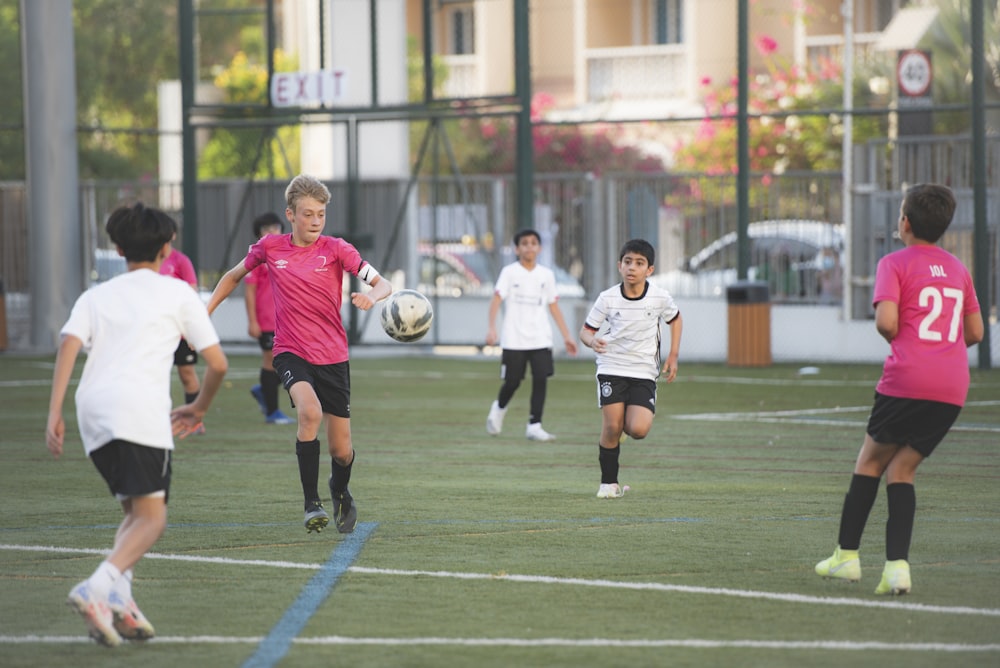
(226, 285)
(563, 329)
(187, 417)
(670, 366)
(491, 323)
(381, 289)
(55, 427)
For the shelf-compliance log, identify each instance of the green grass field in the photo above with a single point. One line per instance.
(480, 551)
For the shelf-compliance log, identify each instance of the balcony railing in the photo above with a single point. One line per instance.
(637, 72)
(831, 49)
(463, 76)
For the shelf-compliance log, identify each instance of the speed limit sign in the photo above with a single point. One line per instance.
(913, 72)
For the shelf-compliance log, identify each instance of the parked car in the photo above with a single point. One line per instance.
(454, 270)
(107, 264)
(799, 259)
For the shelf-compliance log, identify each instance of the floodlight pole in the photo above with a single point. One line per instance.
(847, 163)
(981, 259)
(742, 145)
(189, 188)
(525, 150)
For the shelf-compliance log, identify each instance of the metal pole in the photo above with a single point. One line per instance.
(51, 162)
(525, 149)
(981, 262)
(190, 159)
(742, 144)
(847, 162)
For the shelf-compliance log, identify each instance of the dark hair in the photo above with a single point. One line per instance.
(140, 231)
(929, 207)
(520, 234)
(640, 246)
(267, 220)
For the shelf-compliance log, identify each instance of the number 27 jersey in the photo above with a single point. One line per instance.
(934, 292)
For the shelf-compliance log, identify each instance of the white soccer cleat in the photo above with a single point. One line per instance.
(534, 432)
(494, 421)
(611, 491)
(96, 613)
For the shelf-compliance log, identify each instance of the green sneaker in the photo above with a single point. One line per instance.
(844, 564)
(895, 578)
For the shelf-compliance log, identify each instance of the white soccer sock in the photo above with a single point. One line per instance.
(103, 580)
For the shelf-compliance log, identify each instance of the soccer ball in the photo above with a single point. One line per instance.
(407, 316)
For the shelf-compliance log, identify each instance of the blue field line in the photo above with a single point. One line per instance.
(275, 645)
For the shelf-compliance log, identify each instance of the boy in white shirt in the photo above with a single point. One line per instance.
(130, 327)
(628, 355)
(528, 289)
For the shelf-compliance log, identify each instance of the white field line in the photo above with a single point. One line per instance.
(691, 643)
(805, 416)
(548, 580)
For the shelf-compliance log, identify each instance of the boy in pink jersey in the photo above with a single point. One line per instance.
(306, 273)
(926, 308)
(260, 325)
(178, 265)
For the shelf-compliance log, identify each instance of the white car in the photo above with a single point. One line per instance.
(799, 260)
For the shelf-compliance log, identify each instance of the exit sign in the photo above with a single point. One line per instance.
(308, 89)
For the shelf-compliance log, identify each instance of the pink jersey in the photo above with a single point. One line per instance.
(307, 284)
(179, 266)
(264, 303)
(934, 293)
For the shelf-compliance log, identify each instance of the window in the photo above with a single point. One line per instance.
(461, 29)
(668, 21)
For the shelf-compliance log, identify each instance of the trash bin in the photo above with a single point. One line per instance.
(749, 315)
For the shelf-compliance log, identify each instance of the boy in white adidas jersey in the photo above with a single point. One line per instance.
(623, 328)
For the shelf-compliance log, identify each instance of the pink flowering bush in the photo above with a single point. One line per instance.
(780, 140)
(491, 145)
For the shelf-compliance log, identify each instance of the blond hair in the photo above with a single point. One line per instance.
(303, 186)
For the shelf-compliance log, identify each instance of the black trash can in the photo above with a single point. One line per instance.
(749, 315)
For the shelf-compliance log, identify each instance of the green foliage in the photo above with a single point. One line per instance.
(258, 152)
(11, 110)
(950, 42)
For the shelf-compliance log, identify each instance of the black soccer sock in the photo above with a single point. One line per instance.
(269, 383)
(857, 504)
(899, 528)
(340, 475)
(538, 387)
(608, 458)
(308, 454)
(189, 397)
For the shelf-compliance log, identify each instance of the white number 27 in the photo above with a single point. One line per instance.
(932, 297)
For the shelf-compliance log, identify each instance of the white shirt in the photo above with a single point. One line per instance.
(130, 327)
(632, 330)
(527, 295)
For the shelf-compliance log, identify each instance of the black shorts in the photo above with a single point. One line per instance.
(266, 340)
(330, 382)
(130, 469)
(513, 364)
(625, 390)
(918, 423)
(185, 355)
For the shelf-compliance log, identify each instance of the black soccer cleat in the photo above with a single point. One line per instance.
(345, 511)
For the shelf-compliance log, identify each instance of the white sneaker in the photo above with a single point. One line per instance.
(611, 491)
(494, 421)
(534, 432)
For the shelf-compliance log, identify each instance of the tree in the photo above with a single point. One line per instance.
(262, 151)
